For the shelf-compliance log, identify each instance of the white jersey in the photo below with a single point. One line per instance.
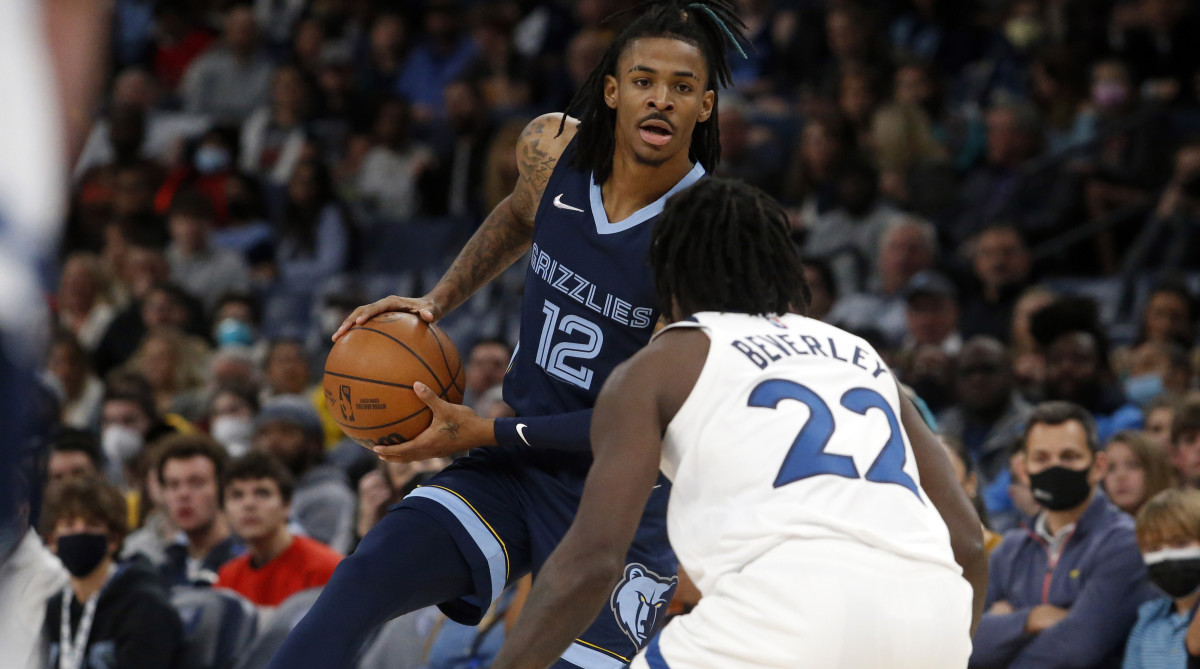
(792, 431)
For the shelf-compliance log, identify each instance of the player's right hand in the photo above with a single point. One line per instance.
(425, 308)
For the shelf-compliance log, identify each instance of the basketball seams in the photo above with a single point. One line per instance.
(366, 380)
(453, 375)
(379, 427)
(441, 388)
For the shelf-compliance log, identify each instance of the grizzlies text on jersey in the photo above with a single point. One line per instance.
(589, 300)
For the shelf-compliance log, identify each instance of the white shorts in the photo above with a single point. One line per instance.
(826, 604)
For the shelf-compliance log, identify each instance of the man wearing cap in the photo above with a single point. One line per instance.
(932, 312)
(323, 504)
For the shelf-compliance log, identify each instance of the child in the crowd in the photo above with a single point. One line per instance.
(1168, 533)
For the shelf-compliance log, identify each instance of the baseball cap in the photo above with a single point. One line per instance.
(928, 282)
(294, 410)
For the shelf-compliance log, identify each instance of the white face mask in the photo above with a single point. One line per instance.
(121, 444)
(234, 433)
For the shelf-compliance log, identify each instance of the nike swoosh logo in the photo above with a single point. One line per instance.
(521, 433)
(559, 203)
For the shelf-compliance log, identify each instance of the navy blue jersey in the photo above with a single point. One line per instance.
(589, 300)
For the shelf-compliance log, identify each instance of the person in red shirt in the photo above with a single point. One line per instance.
(278, 564)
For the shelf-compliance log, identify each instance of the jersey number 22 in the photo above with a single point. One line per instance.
(807, 456)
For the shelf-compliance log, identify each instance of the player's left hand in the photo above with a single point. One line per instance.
(455, 428)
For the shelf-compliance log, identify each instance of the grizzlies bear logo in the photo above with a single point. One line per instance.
(639, 602)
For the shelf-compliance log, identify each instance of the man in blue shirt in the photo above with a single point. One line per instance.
(1064, 593)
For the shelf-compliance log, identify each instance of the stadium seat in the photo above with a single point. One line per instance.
(402, 643)
(218, 625)
(399, 246)
(275, 629)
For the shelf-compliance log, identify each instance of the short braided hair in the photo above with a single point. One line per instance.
(722, 245)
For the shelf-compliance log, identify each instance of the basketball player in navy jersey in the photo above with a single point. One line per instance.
(590, 188)
(816, 512)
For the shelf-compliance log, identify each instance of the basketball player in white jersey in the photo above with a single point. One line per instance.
(811, 505)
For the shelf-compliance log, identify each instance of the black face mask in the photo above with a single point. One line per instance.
(1176, 571)
(1059, 488)
(81, 553)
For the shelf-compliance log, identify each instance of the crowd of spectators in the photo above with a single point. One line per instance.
(1002, 196)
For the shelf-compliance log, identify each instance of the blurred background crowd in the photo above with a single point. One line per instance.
(1002, 196)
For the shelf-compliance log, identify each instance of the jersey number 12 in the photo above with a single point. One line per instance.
(553, 357)
(807, 456)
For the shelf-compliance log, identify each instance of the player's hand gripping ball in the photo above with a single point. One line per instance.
(370, 372)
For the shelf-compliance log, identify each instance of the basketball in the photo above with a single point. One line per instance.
(370, 372)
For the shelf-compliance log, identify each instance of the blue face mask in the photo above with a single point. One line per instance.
(232, 332)
(1143, 388)
(211, 159)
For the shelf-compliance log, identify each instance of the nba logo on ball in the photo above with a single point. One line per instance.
(371, 371)
(345, 403)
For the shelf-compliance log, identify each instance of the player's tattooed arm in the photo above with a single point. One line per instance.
(507, 233)
(503, 237)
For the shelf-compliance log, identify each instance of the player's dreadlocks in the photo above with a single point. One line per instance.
(710, 25)
(722, 245)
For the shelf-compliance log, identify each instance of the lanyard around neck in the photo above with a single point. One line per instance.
(71, 649)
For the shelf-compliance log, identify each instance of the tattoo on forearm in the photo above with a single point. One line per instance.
(498, 242)
(507, 232)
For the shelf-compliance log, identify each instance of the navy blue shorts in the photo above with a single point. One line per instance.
(508, 508)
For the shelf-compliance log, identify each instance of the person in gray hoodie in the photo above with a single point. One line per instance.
(323, 503)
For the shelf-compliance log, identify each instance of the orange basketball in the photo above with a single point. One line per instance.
(370, 372)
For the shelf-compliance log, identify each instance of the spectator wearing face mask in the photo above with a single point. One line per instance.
(1157, 367)
(1067, 589)
(1168, 534)
(129, 424)
(113, 613)
(236, 322)
(1129, 159)
(207, 170)
(231, 416)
